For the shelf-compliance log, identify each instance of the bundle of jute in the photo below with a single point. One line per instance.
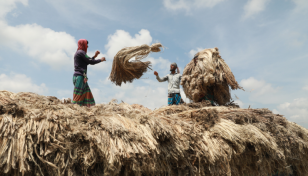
(209, 75)
(41, 135)
(126, 70)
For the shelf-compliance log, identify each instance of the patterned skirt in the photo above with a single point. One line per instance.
(82, 93)
(174, 98)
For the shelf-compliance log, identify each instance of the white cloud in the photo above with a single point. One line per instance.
(98, 97)
(275, 111)
(257, 87)
(160, 63)
(16, 14)
(106, 81)
(254, 7)
(65, 93)
(189, 4)
(295, 37)
(297, 110)
(42, 44)
(301, 6)
(194, 51)
(151, 94)
(305, 88)
(151, 97)
(261, 91)
(121, 39)
(87, 12)
(7, 6)
(20, 83)
(240, 103)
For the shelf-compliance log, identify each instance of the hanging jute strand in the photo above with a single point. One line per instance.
(209, 74)
(127, 64)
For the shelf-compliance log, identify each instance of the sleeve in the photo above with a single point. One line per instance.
(88, 60)
(163, 79)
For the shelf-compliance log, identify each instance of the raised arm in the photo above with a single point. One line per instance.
(163, 79)
(96, 54)
(89, 60)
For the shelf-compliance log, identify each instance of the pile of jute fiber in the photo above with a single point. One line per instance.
(127, 64)
(41, 135)
(210, 75)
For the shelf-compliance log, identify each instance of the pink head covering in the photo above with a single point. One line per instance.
(83, 45)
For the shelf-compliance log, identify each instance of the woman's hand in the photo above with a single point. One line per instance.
(103, 59)
(97, 53)
(155, 73)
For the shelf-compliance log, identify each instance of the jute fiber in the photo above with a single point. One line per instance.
(41, 135)
(210, 75)
(126, 70)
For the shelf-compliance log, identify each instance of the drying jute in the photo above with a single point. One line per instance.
(41, 135)
(210, 75)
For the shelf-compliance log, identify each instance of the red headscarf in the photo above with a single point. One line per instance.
(83, 45)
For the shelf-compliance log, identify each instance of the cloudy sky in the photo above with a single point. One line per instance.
(265, 43)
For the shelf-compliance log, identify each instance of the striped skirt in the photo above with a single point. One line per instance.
(82, 93)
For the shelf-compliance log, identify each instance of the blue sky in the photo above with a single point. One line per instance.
(264, 42)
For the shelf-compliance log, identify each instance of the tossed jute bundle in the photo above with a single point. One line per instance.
(41, 135)
(210, 75)
(126, 70)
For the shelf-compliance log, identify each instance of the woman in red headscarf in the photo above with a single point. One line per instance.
(82, 93)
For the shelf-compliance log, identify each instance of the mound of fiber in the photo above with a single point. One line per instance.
(126, 70)
(42, 136)
(210, 75)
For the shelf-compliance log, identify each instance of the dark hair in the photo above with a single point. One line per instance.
(87, 42)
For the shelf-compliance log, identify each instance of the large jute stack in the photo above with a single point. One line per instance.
(126, 70)
(42, 136)
(210, 75)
